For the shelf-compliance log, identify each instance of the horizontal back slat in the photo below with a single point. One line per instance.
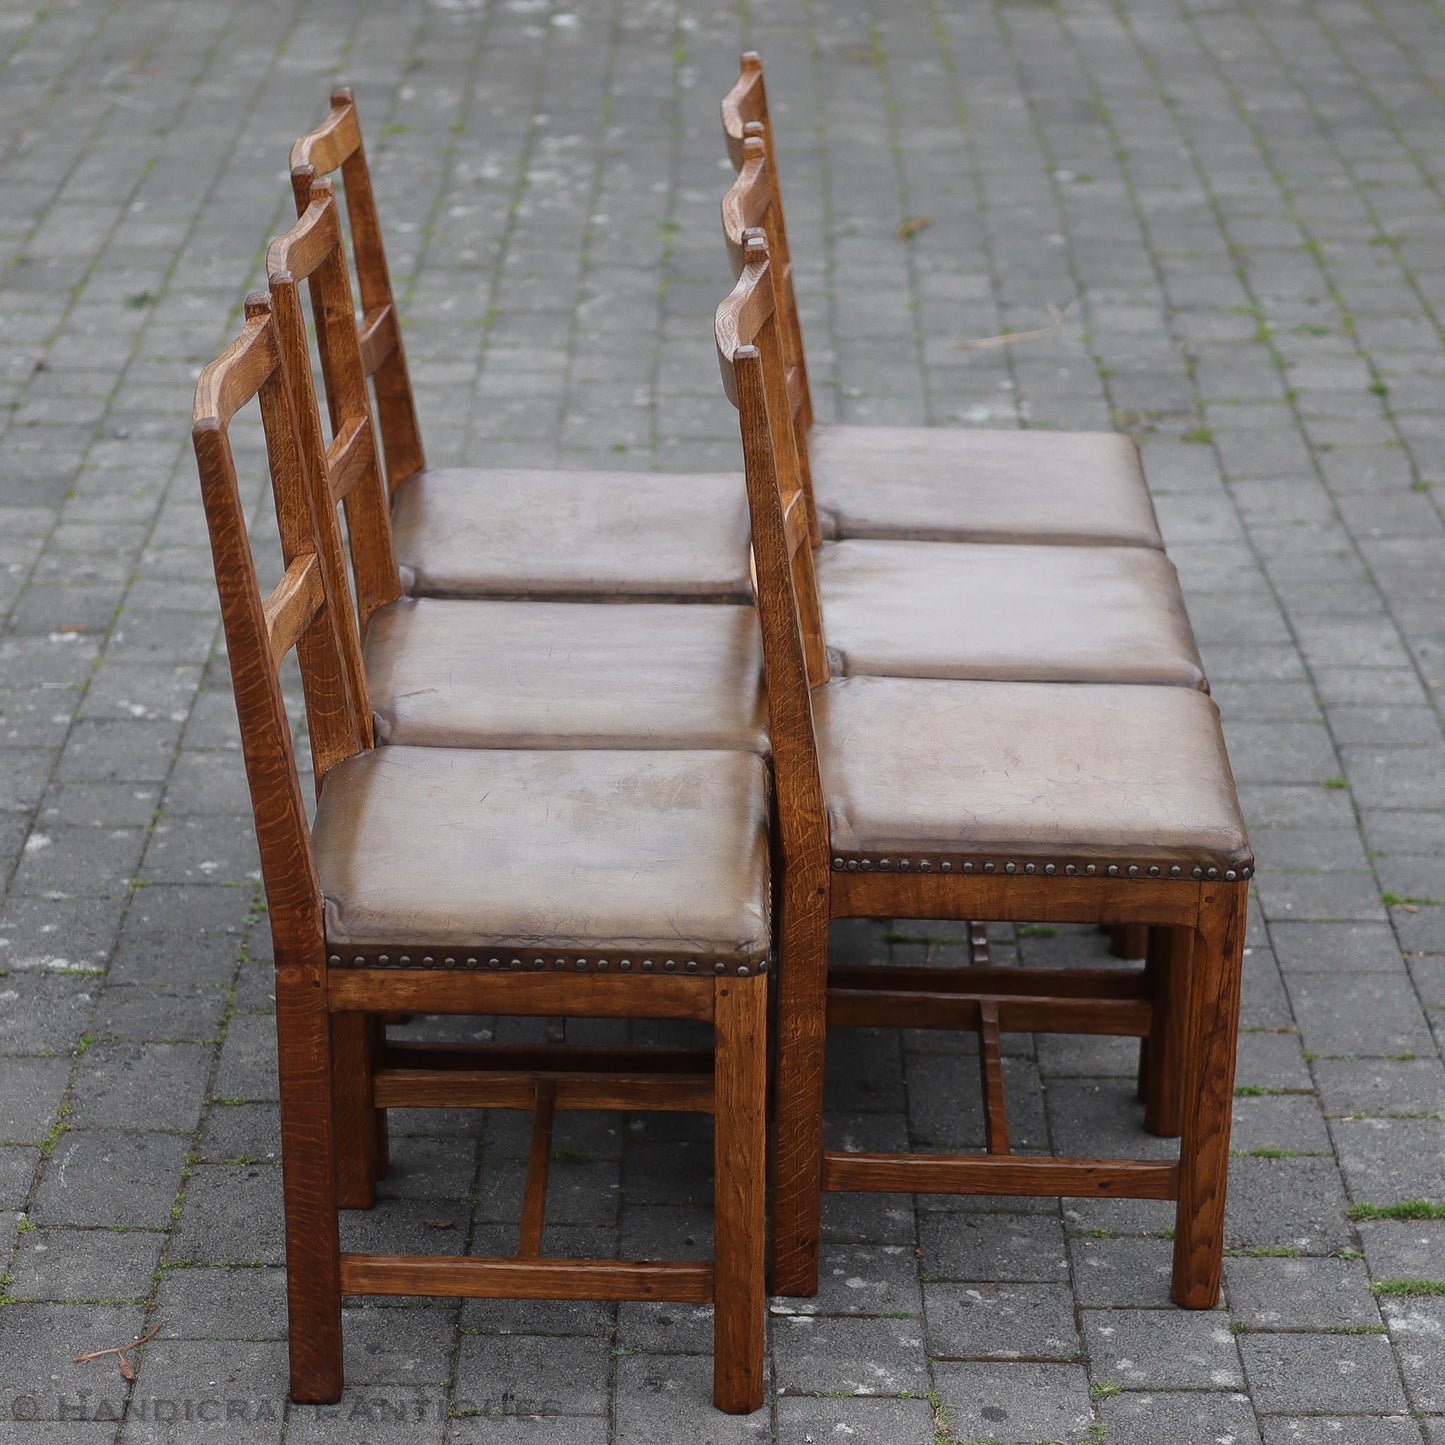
(292, 605)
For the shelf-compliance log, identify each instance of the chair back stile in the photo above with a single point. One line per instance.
(754, 323)
(750, 360)
(794, 657)
(313, 251)
(744, 116)
(336, 145)
(750, 204)
(298, 612)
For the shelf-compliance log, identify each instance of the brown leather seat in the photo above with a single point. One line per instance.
(1009, 613)
(1020, 777)
(445, 673)
(957, 484)
(546, 855)
(577, 535)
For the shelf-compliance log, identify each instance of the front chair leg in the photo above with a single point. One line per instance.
(308, 1181)
(740, 1122)
(1212, 1028)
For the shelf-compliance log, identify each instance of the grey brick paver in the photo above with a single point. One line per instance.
(1326, 1373)
(1238, 210)
(1166, 1350)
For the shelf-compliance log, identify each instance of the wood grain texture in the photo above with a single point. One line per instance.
(313, 251)
(991, 1174)
(418, 1088)
(357, 1165)
(336, 145)
(1084, 983)
(950, 1009)
(1162, 1075)
(255, 365)
(1212, 1012)
(308, 1179)
(1129, 940)
(539, 1165)
(740, 1167)
(745, 115)
(504, 1076)
(564, 1058)
(801, 822)
(602, 996)
(292, 605)
(1014, 899)
(475, 1277)
(990, 1066)
(251, 365)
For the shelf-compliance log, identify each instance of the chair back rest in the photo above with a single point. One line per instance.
(260, 630)
(747, 320)
(314, 251)
(749, 205)
(336, 145)
(794, 658)
(745, 116)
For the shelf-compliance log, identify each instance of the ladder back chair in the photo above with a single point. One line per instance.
(595, 884)
(482, 672)
(942, 483)
(903, 798)
(507, 532)
(1001, 610)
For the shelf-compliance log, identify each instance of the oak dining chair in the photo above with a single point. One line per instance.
(940, 483)
(504, 532)
(610, 884)
(485, 672)
(906, 798)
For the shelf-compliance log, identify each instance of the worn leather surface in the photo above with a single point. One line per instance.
(446, 673)
(511, 533)
(1003, 612)
(663, 852)
(974, 485)
(1027, 770)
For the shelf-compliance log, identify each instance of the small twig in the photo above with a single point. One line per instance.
(1009, 337)
(150, 1334)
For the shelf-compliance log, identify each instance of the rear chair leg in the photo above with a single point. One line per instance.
(357, 1166)
(1212, 1012)
(1170, 951)
(1128, 940)
(381, 1158)
(740, 1122)
(798, 1096)
(308, 1181)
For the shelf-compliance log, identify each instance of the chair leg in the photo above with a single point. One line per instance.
(1128, 940)
(352, 1038)
(1170, 951)
(740, 1124)
(798, 1096)
(381, 1156)
(1212, 1010)
(308, 1181)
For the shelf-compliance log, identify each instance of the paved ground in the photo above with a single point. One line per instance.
(1238, 209)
